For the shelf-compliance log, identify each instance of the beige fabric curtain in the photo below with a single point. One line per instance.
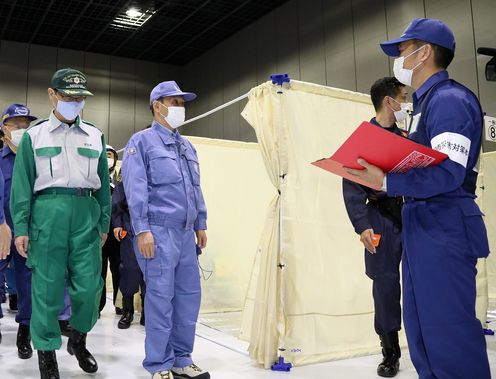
(482, 303)
(308, 294)
(489, 208)
(237, 192)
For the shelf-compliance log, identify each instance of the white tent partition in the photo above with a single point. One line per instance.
(489, 208)
(237, 192)
(481, 303)
(308, 293)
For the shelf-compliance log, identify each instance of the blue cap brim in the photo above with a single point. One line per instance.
(31, 118)
(188, 96)
(391, 47)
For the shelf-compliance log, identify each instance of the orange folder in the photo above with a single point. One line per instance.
(381, 148)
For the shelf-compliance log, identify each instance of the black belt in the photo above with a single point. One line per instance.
(83, 192)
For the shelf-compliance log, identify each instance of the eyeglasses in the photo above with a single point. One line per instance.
(63, 97)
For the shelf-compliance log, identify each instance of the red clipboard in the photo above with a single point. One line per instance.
(389, 151)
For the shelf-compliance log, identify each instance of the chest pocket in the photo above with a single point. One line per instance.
(164, 168)
(49, 160)
(89, 159)
(194, 168)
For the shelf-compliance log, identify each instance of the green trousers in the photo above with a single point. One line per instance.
(64, 238)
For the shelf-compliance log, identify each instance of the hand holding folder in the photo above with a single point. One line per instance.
(386, 150)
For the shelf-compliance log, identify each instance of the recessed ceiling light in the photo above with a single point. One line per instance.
(132, 18)
(133, 13)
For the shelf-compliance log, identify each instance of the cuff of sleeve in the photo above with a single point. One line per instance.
(21, 230)
(384, 184)
(201, 224)
(393, 184)
(360, 228)
(141, 226)
(104, 227)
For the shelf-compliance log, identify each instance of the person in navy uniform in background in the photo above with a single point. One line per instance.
(110, 251)
(131, 277)
(374, 212)
(443, 230)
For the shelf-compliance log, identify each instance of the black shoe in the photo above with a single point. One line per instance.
(47, 361)
(77, 346)
(24, 349)
(128, 313)
(65, 328)
(119, 311)
(13, 303)
(126, 320)
(4, 298)
(391, 352)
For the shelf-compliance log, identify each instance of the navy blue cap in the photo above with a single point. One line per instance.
(423, 29)
(169, 88)
(16, 110)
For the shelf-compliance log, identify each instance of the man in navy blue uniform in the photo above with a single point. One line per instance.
(131, 277)
(443, 229)
(373, 212)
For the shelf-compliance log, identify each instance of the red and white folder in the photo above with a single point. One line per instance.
(381, 148)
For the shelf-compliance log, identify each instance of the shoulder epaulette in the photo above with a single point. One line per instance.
(89, 123)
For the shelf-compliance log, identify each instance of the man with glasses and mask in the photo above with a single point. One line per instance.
(444, 232)
(162, 183)
(375, 213)
(60, 204)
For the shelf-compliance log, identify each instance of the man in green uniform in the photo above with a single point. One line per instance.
(60, 204)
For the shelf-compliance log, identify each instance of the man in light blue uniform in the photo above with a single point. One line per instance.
(162, 185)
(444, 232)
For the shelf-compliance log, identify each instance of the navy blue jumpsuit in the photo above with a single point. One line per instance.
(362, 205)
(443, 235)
(131, 278)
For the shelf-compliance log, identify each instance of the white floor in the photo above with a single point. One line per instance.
(119, 354)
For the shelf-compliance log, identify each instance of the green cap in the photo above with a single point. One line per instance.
(71, 82)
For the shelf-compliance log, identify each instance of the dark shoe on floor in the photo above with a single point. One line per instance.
(391, 352)
(77, 346)
(65, 328)
(24, 349)
(13, 303)
(118, 311)
(47, 362)
(126, 320)
(127, 312)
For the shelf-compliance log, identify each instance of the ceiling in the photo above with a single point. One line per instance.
(175, 32)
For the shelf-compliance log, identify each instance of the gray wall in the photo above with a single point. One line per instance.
(121, 86)
(335, 43)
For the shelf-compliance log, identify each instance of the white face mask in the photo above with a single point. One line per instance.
(111, 162)
(16, 135)
(176, 116)
(404, 75)
(402, 114)
(69, 109)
